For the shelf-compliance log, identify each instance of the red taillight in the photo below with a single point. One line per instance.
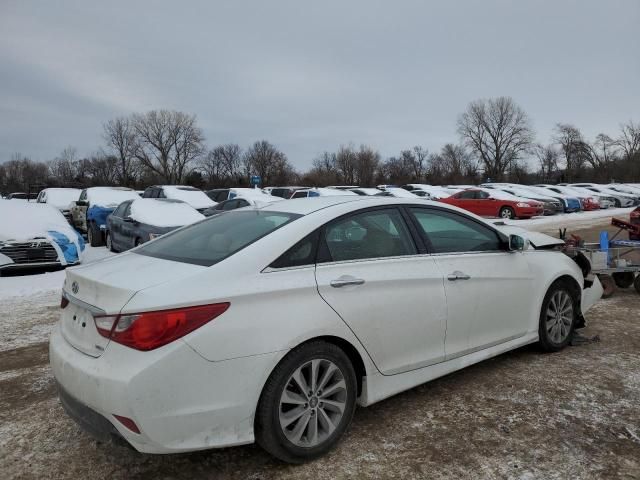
(64, 301)
(127, 422)
(150, 330)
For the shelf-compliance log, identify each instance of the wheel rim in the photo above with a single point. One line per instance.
(559, 316)
(506, 213)
(312, 403)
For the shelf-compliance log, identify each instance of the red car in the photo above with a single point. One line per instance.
(589, 204)
(488, 204)
(635, 219)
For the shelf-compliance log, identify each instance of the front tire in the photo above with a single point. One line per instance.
(557, 317)
(507, 213)
(109, 242)
(94, 235)
(307, 403)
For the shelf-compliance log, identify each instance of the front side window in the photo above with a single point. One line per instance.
(453, 233)
(300, 195)
(466, 195)
(371, 234)
(212, 240)
(118, 211)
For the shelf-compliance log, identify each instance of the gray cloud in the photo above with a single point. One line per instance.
(311, 76)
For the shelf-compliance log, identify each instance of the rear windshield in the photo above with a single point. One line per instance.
(212, 240)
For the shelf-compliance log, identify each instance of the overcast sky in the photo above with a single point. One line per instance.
(309, 76)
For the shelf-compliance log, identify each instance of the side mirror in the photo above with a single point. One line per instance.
(517, 243)
(127, 219)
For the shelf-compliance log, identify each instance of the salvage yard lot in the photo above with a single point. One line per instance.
(524, 414)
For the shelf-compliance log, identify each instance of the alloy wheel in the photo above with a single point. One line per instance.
(559, 316)
(312, 403)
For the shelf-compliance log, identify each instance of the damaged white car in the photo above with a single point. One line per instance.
(36, 235)
(271, 324)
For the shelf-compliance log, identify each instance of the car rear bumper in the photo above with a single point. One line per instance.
(178, 400)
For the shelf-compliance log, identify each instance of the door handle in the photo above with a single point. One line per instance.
(343, 282)
(458, 275)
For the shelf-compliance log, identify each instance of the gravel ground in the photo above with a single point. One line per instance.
(522, 415)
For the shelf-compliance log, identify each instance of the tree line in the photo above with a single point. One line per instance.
(496, 142)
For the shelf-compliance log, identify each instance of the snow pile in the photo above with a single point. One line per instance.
(254, 196)
(24, 221)
(60, 197)
(109, 196)
(161, 213)
(194, 197)
(400, 192)
(32, 285)
(330, 192)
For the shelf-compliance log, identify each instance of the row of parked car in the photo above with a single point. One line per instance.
(122, 218)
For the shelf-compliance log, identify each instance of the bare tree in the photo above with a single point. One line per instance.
(120, 137)
(454, 164)
(602, 152)
(498, 130)
(167, 142)
(547, 157)
(575, 150)
(629, 140)
(221, 166)
(367, 162)
(265, 160)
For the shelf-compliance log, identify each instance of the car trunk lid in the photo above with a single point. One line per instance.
(104, 287)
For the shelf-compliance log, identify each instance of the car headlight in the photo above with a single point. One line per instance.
(522, 205)
(153, 236)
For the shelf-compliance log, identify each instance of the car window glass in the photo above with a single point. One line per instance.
(230, 205)
(299, 195)
(468, 195)
(127, 210)
(118, 211)
(210, 241)
(480, 195)
(372, 234)
(242, 203)
(83, 195)
(302, 253)
(161, 193)
(450, 232)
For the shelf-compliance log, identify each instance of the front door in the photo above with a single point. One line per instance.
(391, 298)
(488, 288)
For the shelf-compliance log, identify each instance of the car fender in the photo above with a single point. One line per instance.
(291, 312)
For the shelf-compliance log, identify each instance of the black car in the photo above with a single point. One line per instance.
(224, 205)
(137, 221)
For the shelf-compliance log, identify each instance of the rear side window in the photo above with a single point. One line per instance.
(210, 241)
(371, 234)
(301, 254)
(452, 233)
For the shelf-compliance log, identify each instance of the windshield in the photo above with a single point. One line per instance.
(210, 241)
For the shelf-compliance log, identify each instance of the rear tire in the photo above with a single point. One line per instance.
(557, 317)
(507, 213)
(317, 419)
(94, 235)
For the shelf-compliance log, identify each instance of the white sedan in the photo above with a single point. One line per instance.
(271, 324)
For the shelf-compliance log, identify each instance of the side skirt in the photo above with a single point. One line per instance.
(378, 387)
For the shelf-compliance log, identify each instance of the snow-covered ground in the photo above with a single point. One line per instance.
(30, 285)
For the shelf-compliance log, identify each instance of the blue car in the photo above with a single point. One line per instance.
(89, 213)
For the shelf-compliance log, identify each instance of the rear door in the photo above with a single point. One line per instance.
(488, 288)
(127, 228)
(392, 297)
(115, 225)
